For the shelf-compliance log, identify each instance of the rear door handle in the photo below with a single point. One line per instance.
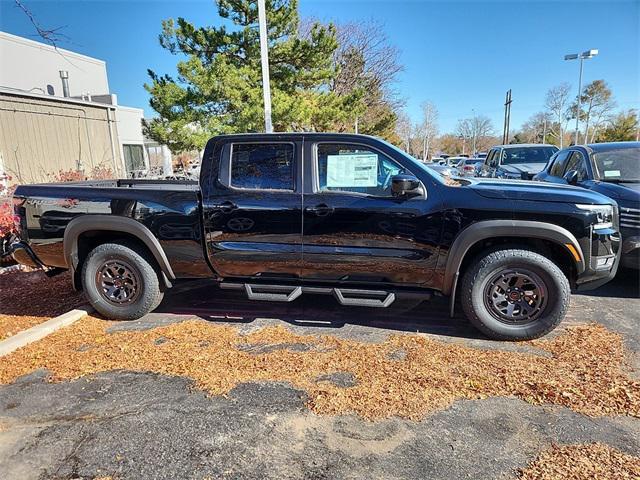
(321, 210)
(225, 207)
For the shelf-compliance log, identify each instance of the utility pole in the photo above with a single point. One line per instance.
(507, 118)
(544, 130)
(356, 126)
(264, 58)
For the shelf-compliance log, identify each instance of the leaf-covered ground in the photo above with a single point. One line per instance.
(407, 376)
(593, 461)
(30, 298)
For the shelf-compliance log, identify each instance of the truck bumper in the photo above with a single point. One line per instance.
(22, 253)
(602, 258)
(631, 252)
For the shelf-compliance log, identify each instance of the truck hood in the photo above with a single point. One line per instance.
(535, 191)
(625, 191)
(520, 168)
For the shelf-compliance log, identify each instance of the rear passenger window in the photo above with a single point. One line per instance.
(260, 166)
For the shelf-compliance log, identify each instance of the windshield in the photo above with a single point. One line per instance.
(527, 155)
(621, 164)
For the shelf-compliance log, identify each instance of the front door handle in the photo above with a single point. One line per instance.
(225, 207)
(321, 210)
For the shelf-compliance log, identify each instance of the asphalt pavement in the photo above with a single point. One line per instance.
(138, 425)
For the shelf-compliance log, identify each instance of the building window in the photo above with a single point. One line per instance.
(134, 158)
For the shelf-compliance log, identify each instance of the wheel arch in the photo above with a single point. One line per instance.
(559, 239)
(108, 228)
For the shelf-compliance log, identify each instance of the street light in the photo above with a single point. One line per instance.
(580, 56)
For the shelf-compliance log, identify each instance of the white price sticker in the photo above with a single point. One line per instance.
(355, 170)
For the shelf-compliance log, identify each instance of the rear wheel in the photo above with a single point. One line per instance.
(120, 281)
(514, 294)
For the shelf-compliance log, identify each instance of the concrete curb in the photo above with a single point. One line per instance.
(40, 331)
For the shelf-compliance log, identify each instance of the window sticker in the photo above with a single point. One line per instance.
(354, 170)
(612, 173)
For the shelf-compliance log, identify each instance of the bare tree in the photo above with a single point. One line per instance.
(537, 128)
(366, 42)
(598, 102)
(404, 129)
(50, 35)
(366, 61)
(428, 128)
(557, 102)
(475, 129)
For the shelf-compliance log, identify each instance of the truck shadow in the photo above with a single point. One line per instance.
(202, 298)
(626, 284)
(205, 300)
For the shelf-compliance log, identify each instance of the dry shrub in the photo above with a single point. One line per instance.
(593, 461)
(584, 371)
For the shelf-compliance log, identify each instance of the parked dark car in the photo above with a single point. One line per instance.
(282, 215)
(612, 169)
(516, 162)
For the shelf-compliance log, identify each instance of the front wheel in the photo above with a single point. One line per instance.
(120, 281)
(514, 294)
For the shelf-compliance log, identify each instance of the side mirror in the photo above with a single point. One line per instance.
(405, 186)
(571, 177)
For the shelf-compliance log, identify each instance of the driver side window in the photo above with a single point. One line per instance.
(577, 163)
(354, 168)
(557, 169)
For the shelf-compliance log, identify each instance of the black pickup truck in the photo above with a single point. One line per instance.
(281, 215)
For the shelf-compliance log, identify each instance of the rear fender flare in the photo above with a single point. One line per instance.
(111, 224)
(503, 228)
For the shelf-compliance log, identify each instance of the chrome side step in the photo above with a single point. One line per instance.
(287, 293)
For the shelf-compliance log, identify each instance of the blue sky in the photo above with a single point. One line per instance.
(461, 55)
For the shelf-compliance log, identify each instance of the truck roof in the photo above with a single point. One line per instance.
(295, 134)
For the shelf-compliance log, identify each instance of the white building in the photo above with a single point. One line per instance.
(33, 74)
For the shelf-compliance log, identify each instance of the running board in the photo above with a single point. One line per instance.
(287, 293)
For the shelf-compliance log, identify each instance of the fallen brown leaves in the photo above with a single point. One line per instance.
(584, 370)
(30, 298)
(593, 461)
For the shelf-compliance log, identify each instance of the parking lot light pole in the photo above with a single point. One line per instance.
(264, 59)
(580, 56)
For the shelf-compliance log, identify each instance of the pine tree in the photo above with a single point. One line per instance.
(218, 88)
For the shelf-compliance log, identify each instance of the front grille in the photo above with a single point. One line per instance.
(630, 217)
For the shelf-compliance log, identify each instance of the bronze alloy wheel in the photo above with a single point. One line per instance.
(118, 282)
(515, 296)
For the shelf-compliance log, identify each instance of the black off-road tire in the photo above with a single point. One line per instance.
(476, 299)
(148, 293)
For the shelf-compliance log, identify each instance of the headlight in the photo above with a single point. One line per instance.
(604, 215)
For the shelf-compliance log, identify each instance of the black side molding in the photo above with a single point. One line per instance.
(503, 228)
(112, 223)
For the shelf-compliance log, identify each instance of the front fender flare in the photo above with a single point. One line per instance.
(503, 228)
(113, 223)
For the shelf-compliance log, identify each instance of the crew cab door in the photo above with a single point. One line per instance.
(355, 230)
(252, 209)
